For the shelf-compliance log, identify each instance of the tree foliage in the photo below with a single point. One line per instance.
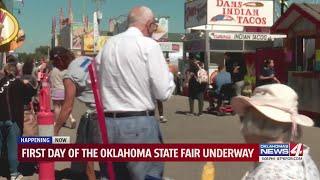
(98, 1)
(42, 51)
(39, 53)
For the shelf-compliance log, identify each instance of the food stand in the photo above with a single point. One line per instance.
(301, 23)
(218, 26)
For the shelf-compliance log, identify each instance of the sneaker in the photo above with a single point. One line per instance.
(17, 177)
(163, 119)
(167, 178)
(191, 114)
(73, 123)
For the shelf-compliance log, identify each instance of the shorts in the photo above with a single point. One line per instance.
(88, 131)
(57, 94)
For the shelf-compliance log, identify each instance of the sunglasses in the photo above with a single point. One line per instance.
(56, 60)
(154, 25)
(56, 56)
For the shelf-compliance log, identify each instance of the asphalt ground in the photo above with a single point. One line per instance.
(182, 128)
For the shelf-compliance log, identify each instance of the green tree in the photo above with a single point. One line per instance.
(98, 1)
(41, 52)
(25, 56)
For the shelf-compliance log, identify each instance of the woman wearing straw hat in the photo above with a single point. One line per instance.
(272, 117)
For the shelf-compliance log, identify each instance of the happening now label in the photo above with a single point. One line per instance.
(44, 140)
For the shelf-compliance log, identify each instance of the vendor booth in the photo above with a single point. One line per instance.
(301, 23)
(240, 27)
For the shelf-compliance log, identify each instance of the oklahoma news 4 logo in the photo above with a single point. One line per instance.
(281, 152)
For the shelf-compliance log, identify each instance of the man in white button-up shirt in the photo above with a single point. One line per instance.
(133, 75)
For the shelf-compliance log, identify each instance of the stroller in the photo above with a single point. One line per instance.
(220, 103)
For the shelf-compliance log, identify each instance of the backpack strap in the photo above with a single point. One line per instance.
(5, 89)
(8, 103)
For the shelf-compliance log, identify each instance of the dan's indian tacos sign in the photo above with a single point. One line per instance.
(240, 13)
(9, 27)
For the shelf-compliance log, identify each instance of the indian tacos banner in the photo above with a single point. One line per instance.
(240, 13)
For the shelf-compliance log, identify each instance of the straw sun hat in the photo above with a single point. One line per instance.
(278, 102)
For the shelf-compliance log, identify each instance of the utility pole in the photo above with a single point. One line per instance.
(97, 17)
(70, 13)
(48, 56)
(282, 5)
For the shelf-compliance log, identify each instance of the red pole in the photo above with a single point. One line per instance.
(100, 113)
(45, 121)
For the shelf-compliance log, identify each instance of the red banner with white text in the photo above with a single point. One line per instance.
(138, 152)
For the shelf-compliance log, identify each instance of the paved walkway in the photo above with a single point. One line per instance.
(203, 129)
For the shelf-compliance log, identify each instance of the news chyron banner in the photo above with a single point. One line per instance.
(32, 149)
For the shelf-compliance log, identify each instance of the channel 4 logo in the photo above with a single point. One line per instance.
(281, 149)
(280, 152)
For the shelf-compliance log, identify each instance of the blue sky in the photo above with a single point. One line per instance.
(36, 15)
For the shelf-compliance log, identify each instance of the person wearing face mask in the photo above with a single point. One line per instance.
(133, 74)
(270, 117)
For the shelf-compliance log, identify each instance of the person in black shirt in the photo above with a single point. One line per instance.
(268, 74)
(236, 67)
(12, 94)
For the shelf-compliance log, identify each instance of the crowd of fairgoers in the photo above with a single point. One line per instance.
(134, 79)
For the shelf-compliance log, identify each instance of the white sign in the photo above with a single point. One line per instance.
(246, 36)
(170, 47)
(195, 13)
(240, 12)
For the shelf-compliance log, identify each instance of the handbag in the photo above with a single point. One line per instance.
(35, 105)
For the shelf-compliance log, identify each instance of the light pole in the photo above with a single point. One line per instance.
(48, 56)
(16, 9)
(282, 5)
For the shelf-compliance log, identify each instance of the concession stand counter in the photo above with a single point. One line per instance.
(301, 24)
(240, 27)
